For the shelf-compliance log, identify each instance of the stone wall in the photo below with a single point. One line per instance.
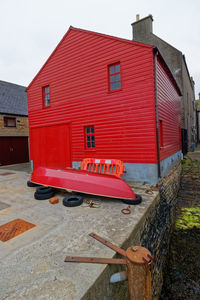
(153, 232)
(21, 128)
(159, 225)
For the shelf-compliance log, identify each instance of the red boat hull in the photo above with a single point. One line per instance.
(83, 182)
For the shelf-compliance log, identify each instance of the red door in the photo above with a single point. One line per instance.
(50, 146)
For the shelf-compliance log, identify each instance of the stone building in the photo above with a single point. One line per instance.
(198, 118)
(13, 124)
(143, 32)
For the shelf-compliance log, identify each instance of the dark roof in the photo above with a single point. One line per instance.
(13, 99)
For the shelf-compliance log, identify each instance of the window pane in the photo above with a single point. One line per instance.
(92, 138)
(88, 138)
(10, 122)
(117, 77)
(93, 145)
(88, 144)
(46, 90)
(112, 78)
(92, 129)
(118, 85)
(117, 68)
(112, 86)
(88, 130)
(112, 69)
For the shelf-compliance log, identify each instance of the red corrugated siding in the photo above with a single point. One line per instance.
(168, 112)
(77, 74)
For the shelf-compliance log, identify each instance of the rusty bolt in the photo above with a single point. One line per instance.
(134, 249)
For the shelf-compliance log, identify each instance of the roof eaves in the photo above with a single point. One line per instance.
(70, 28)
(184, 60)
(12, 114)
(92, 33)
(113, 37)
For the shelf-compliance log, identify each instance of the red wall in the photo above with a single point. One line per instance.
(168, 112)
(77, 74)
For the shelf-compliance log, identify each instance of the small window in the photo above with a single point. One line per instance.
(89, 137)
(9, 122)
(46, 95)
(114, 77)
(161, 133)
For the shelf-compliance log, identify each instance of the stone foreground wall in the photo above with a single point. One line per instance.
(153, 232)
(158, 226)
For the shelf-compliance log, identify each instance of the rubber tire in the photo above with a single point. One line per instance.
(43, 196)
(72, 200)
(31, 184)
(138, 200)
(44, 190)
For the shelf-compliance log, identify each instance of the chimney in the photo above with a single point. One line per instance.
(142, 27)
(137, 17)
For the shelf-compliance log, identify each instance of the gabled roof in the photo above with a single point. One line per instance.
(130, 42)
(13, 99)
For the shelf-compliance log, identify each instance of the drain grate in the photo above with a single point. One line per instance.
(6, 173)
(14, 228)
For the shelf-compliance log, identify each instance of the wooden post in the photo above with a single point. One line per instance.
(138, 272)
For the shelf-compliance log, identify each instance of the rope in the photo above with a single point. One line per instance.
(91, 204)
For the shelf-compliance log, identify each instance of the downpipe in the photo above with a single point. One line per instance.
(156, 110)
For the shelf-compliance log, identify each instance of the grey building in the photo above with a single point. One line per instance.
(143, 32)
(198, 118)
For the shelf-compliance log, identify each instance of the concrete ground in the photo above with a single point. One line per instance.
(32, 264)
(25, 167)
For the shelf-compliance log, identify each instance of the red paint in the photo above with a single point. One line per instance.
(84, 182)
(51, 146)
(161, 133)
(168, 112)
(124, 120)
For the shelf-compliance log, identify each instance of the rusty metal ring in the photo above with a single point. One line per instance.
(126, 211)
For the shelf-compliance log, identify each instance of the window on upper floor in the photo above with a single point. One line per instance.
(46, 95)
(114, 77)
(89, 138)
(9, 122)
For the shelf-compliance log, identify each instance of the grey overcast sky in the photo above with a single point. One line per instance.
(31, 29)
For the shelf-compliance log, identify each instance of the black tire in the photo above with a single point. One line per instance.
(44, 190)
(72, 200)
(31, 184)
(43, 196)
(138, 200)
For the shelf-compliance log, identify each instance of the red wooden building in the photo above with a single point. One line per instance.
(105, 97)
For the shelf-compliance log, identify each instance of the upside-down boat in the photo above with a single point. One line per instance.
(83, 181)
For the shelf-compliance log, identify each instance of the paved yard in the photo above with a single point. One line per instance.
(32, 264)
